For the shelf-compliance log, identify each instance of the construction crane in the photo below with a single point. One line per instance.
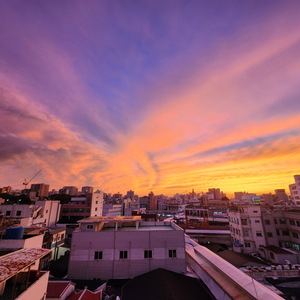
(26, 182)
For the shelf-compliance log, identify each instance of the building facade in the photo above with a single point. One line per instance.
(121, 247)
(254, 227)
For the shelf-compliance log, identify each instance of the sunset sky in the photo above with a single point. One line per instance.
(162, 96)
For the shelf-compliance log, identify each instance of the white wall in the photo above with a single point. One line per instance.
(37, 290)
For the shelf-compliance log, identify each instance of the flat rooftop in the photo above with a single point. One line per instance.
(111, 219)
(15, 262)
(140, 228)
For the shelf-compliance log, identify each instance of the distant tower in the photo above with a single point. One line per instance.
(152, 202)
(193, 194)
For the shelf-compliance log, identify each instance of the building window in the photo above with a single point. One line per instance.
(98, 255)
(285, 233)
(295, 235)
(269, 234)
(256, 221)
(19, 213)
(123, 254)
(275, 221)
(96, 208)
(89, 226)
(148, 254)
(298, 223)
(277, 232)
(46, 211)
(272, 255)
(172, 253)
(255, 211)
(267, 222)
(292, 222)
(62, 236)
(87, 210)
(246, 233)
(96, 202)
(282, 221)
(244, 221)
(65, 210)
(247, 245)
(258, 233)
(8, 212)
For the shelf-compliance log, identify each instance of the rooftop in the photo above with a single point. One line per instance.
(278, 250)
(15, 262)
(55, 289)
(140, 228)
(111, 219)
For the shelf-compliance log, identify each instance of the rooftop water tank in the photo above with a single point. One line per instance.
(14, 233)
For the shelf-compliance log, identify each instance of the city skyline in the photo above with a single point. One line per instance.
(150, 96)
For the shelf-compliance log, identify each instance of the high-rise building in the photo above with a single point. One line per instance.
(87, 189)
(130, 194)
(215, 192)
(41, 189)
(295, 190)
(152, 202)
(281, 195)
(69, 190)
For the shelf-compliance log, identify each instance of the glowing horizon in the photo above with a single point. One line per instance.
(163, 97)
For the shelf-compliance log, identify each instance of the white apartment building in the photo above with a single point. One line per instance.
(42, 213)
(125, 247)
(97, 204)
(295, 191)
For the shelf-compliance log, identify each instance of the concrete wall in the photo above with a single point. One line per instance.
(37, 290)
(84, 244)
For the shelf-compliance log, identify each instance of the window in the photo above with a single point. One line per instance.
(295, 235)
(123, 254)
(292, 222)
(277, 232)
(269, 234)
(148, 254)
(258, 233)
(298, 223)
(96, 202)
(19, 213)
(8, 212)
(255, 211)
(172, 253)
(65, 210)
(247, 245)
(282, 221)
(98, 255)
(256, 221)
(46, 211)
(62, 236)
(285, 233)
(267, 222)
(272, 255)
(246, 233)
(96, 208)
(244, 221)
(87, 210)
(275, 221)
(89, 226)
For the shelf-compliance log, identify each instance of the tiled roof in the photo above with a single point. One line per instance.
(55, 289)
(86, 295)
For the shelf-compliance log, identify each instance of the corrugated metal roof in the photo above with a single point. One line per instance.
(14, 262)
